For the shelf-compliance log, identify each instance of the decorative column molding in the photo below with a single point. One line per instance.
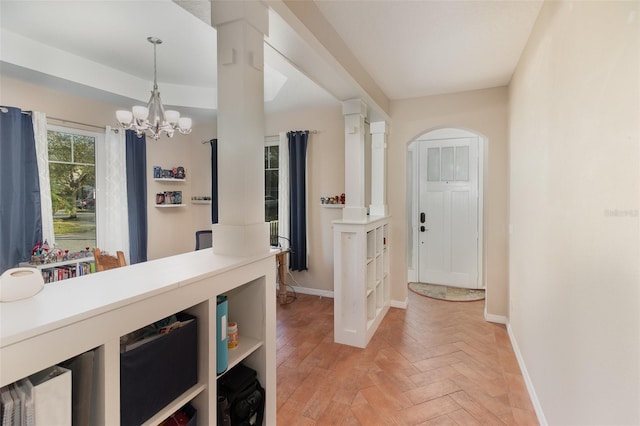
(241, 27)
(355, 113)
(379, 131)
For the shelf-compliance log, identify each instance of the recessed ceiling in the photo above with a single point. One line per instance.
(102, 46)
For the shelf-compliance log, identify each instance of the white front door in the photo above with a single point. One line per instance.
(448, 212)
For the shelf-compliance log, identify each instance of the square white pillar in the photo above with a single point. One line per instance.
(241, 27)
(379, 131)
(355, 112)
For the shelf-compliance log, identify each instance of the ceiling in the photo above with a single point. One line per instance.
(393, 50)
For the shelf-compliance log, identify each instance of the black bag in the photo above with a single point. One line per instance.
(240, 398)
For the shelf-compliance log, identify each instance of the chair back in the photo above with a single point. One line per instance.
(204, 239)
(105, 261)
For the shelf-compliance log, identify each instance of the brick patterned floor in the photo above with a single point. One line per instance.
(436, 363)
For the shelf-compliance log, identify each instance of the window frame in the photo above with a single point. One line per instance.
(99, 138)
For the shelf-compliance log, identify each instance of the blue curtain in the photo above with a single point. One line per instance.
(297, 199)
(214, 180)
(20, 214)
(137, 196)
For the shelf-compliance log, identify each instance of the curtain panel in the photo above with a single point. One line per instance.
(112, 214)
(20, 207)
(42, 153)
(214, 180)
(298, 199)
(283, 191)
(137, 196)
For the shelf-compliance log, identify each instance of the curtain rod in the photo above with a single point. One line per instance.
(314, 132)
(62, 120)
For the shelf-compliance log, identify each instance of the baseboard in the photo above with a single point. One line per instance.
(402, 304)
(527, 379)
(312, 291)
(498, 319)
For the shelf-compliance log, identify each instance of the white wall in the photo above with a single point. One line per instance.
(480, 111)
(325, 177)
(574, 250)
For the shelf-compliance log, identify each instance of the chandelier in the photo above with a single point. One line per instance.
(153, 119)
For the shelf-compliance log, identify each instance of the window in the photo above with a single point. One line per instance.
(72, 174)
(271, 183)
(271, 153)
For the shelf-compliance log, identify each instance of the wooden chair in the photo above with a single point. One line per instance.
(104, 261)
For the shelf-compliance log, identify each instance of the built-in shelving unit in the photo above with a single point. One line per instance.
(62, 321)
(76, 267)
(361, 279)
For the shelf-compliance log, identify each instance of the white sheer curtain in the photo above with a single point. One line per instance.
(112, 219)
(283, 190)
(39, 120)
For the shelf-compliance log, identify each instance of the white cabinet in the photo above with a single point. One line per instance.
(361, 279)
(93, 311)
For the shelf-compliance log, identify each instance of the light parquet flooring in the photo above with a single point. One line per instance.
(436, 363)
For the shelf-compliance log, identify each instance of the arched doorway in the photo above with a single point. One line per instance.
(445, 194)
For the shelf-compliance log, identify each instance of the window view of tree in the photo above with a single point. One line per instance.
(271, 190)
(72, 175)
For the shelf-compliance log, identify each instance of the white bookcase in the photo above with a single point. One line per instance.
(361, 279)
(93, 311)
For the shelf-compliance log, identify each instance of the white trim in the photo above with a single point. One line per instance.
(402, 304)
(311, 291)
(440, 135)
(481, 283)
(498, 319)
(527, 379)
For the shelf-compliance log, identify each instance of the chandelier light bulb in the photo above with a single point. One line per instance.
(184, 125)
(162, 121)
(124, 117)
(140, 112)
(171, 116)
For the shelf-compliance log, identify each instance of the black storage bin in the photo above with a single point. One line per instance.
(156, 373)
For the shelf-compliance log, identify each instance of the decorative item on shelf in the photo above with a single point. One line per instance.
(178, 172)
(161, 121)
(20, 283)
(338, 199)
(41, 254)
(200, 198)
(232, 335)
(169, 197)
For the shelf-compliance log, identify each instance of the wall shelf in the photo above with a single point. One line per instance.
(166, 206)
(200, 201)
(332, 206)
(170, 180)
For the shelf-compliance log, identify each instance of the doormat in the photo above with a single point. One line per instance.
(443, 292)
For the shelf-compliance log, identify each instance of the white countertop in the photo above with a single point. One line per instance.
(65, 302)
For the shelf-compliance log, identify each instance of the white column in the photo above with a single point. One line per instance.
(241, 27)
(379, 131)
(355, 112)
